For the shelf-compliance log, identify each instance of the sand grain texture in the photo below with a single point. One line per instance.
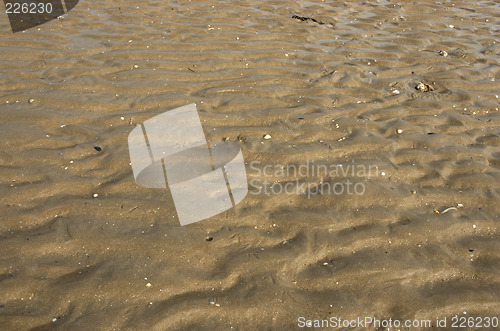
(324, 92)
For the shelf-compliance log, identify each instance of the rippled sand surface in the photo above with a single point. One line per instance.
(335, 89)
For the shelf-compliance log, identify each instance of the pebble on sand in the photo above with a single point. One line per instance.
(399, 131)
(31, 100)
(267, 136)
(443, 53)
(95, 195)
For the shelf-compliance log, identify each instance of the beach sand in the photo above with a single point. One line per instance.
(333, 86)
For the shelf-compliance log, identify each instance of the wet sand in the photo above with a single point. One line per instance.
(335, 89)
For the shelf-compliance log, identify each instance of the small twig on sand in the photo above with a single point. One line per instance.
(303, 19)
(448, 209)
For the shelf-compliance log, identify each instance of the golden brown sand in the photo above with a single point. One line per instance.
(324, 93)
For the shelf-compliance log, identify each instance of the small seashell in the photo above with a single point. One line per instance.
(136, 66)
(399, 131)
(448, 209)
(267, 136)
(95, 195)
(395, 92)
(148, 285)
(424, 87)
(31, 100)
(443, 53)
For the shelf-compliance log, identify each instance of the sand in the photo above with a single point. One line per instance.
(335, 89)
